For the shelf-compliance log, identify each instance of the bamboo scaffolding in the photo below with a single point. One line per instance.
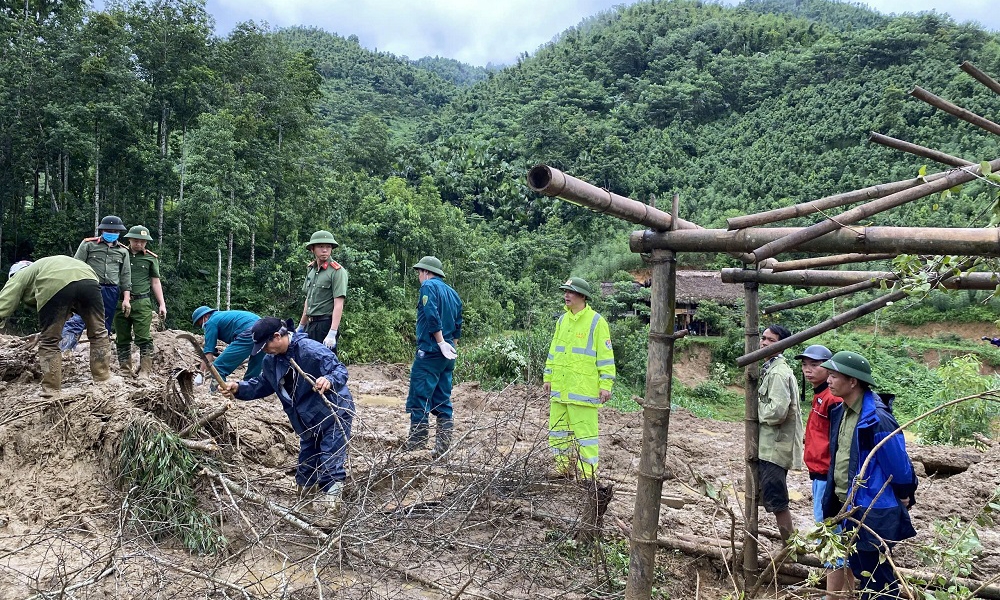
(917, 150)
(955, 110)
(553, 182)
(825, 261)
(827, 295)
(866, 240)
(815, 206)
(981, 77)
(954, 178)
(751, 332)
(966, 281)
(833, 323)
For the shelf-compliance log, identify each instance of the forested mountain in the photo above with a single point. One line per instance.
(233, 150)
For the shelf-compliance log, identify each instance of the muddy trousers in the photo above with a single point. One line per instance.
(83, 298)
(75, 324)
(138, 323)
(322, 455)
(430, 389)
(876, 578)
(573, 433)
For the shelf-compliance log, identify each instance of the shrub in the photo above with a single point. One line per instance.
(958, 424)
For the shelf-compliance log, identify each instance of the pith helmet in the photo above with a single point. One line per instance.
(432, 264)
(815, 352)
(851, 364)
(578, 285)
(139, 232)
(111, 223)
(321, 237)
(200, 312)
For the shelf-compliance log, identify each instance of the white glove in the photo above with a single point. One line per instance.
(448, 350)
(331, 340)
(199, 379)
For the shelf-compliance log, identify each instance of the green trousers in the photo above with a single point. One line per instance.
(138, 323)
(573, 431)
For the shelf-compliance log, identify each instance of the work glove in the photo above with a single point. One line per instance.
(199, 379)
(448, 350)
(331, 340)
(300, 329)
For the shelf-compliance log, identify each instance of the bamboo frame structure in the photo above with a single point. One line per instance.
(827, 295)
(917, 150)
(825, 261)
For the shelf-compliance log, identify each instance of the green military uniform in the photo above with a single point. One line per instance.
(109, 261)
(324, 283)
(144, 267)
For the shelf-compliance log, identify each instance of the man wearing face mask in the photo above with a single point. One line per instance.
(110, 260)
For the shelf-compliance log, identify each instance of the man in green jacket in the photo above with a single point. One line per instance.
(145, 270)
(110, 262)
(325, 288)
(579, 373)
(781, 431)
(56, 287)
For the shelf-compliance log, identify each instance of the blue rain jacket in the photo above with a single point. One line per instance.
(438, 309)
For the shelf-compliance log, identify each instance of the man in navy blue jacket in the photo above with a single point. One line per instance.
(320, 414)
(439, 325)
(880, 495)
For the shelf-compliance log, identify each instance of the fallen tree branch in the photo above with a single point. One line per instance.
(203, 445)
(215, 414)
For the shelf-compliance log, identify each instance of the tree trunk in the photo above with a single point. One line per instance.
(229, 269)
(253, 242)
(180, 197)
(218, 282)
(97, 187)
(163, 154)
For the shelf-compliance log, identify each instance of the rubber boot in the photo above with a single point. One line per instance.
(125, 362)
(327, 505)
(417, 438)
(145, 362)
(51, 366)
(306, 495)
(442, 437)
(100, 359)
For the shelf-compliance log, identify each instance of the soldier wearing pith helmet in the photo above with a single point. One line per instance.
(325, 289)
(145, 267)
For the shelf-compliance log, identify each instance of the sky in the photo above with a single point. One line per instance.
(484, 31)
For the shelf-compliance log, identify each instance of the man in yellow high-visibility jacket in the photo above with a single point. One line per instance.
(579, 373)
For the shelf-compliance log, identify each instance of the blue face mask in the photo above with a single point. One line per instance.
(110, 238)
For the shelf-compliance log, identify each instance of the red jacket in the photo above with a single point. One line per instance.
(817, 451)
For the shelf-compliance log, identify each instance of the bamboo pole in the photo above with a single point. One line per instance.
(752, 436)
(655, 425)
(826, 261)
(868, 240)
(917, 150)
(954, 178)
(815, 206)
(842, 291)
(955, 110)
(837, 321)
(966, 281)
(981, 77)
(553, 182)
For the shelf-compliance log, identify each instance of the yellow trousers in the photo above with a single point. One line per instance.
(573, 432)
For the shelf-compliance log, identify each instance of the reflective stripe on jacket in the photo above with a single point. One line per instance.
(581, 360)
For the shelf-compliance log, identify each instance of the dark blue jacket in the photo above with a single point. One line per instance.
(886, 514)
(438, 309)
(308, 413)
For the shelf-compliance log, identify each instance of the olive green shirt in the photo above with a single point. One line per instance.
(145, 267)
(35, 284)
(845, 437)
(110, 262)
(322, 286)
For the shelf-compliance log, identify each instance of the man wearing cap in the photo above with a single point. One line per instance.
(579, 374)
(781, 435)
(325, 288)
(110, 261)
(439, 325)
(321, 413)
(878, 497)
(233, 328)
(56, 287)
(145, 270)
(817, 450)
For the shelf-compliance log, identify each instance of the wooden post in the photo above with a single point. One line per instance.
(955, 110)
(979, 76)
(921, 151)
(752, 433)
(655, 424)
(826, 261)
(843, 291)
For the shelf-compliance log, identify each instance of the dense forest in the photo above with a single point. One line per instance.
(234, 149)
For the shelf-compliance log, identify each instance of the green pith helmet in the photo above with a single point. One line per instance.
(432, 264)
(111, 223)
(578, 285)
(139, 232)
(851, 364)
(321, 237)
(200, 312)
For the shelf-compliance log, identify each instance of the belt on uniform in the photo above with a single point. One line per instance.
(139, 296)
(320, 319)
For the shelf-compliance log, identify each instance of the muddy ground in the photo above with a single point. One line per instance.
(485, 521)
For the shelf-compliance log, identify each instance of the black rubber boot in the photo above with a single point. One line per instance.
(442, 438)
(417, 438)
